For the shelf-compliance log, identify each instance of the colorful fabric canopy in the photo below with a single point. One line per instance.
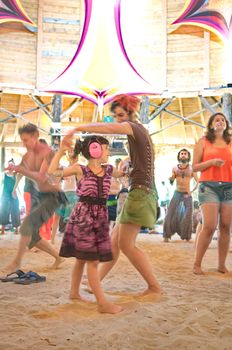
(101, 68)
(12, 11)
(214, 15)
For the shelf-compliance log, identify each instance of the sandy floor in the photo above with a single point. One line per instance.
(194, 313)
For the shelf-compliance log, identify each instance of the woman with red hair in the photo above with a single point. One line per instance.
(140, 208)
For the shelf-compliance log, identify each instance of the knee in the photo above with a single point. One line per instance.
(208, 230)
(224, 228)
(124, 246)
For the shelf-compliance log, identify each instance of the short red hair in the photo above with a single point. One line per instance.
(128, 102)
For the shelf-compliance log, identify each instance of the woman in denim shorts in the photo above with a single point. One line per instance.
(213, 158)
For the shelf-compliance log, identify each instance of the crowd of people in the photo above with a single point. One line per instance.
(105, 207)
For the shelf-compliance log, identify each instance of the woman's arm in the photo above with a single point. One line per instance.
(198, 165)
(106, 128)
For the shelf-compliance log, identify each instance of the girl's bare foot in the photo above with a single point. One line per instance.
(57, 262)
(109, 308)
(197, 270)
(222, 269)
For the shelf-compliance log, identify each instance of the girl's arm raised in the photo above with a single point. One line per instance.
(55, 169)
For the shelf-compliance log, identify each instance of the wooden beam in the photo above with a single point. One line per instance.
(161, 108)
(206, 59)
(11, 144)
(164, 43)
(201, 111)
(207, 104)
(39, 43)
(73, 105)
(182, 115)
(42, 105)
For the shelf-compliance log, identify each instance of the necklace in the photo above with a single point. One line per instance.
(182, 170)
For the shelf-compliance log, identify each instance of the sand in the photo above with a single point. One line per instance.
(194, 313)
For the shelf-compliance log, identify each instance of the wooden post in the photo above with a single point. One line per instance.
(227, 106)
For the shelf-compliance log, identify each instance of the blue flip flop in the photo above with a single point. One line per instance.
(13, 276)
(29, 278)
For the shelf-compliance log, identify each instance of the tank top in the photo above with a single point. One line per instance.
(142, 156)
(214, 173)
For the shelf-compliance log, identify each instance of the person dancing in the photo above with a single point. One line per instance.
(140, 207)
(213, 158)
(34, 165)
(87, 232)
(180, 211)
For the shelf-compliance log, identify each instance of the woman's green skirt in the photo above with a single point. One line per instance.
(140, 208)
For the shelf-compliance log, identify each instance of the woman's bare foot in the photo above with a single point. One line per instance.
(109, 308)
(222, 269)
(152, 290)
(197, 270)
(76, 296)
(57, 262)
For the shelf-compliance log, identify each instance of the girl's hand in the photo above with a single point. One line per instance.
(218, 162)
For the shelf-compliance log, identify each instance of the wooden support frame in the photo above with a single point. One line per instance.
(73, 105)
(43, 106)
(20, 116)
(207, 104)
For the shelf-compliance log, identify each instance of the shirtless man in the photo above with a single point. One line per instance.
(179, 215)
(34, 165)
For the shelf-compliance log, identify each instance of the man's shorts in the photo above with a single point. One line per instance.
(47, 204)
(215, 192)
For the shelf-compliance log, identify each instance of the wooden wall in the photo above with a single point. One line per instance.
(179, 61)
(187, 59)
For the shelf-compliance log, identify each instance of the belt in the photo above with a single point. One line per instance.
(142, 187)
(93, 200)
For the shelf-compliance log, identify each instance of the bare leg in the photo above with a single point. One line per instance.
(210, 218)
(224, 236)
(127, 237)
(76, 279)
(3, 230)
(105, 268)
(56, 220)
(198, 230)
(104, 306)
(46, 247)
(22, 247)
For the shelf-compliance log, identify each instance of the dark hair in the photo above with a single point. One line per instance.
(210, 135)
(28, 129)
(129, 103)
(43, 141)
(184, 150)
(83, 146)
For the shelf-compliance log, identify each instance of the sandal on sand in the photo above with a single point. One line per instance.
(29, 278)
(12, 276)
